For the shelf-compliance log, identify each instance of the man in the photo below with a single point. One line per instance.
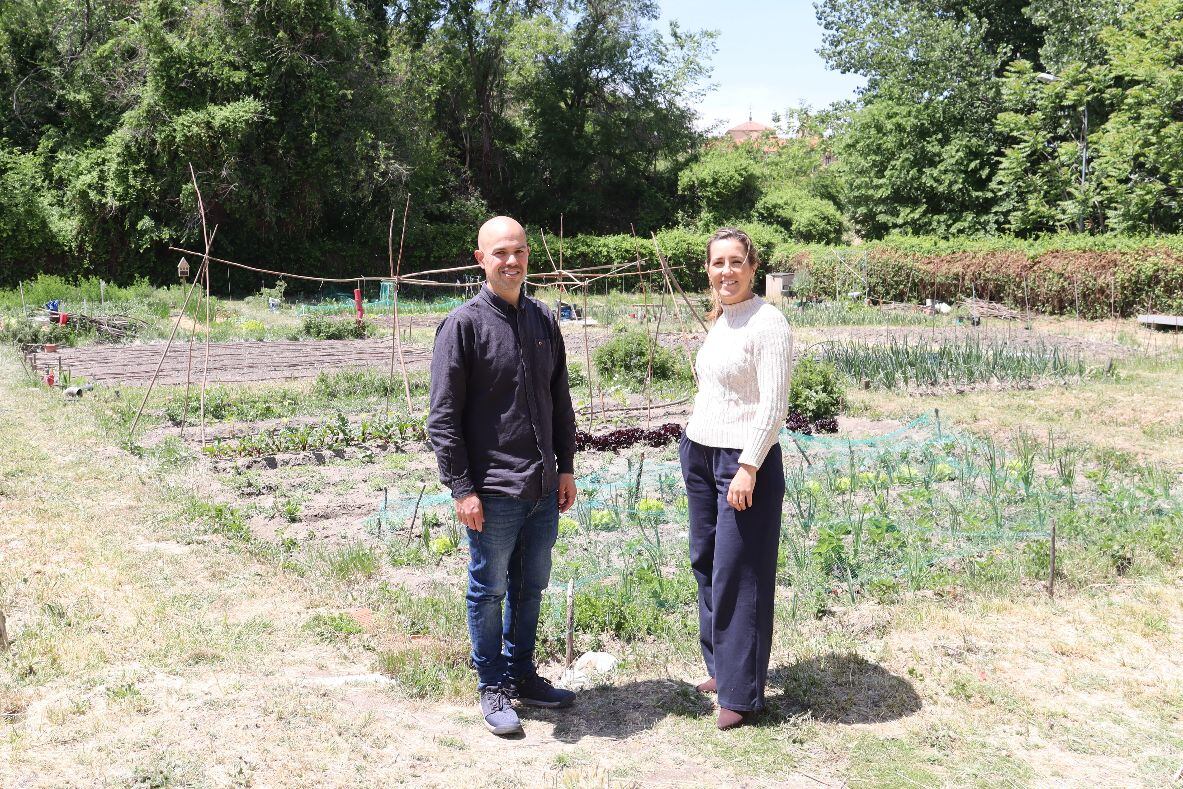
(503, 431)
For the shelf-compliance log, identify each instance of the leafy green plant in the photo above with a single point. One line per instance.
(319, 327)
(816, 391)
(624, 359)
(333, 627)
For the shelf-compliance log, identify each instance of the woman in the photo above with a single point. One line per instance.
(735, 486)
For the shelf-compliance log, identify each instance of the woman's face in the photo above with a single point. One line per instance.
(729, 272)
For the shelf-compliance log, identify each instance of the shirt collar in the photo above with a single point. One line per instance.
(499, 303)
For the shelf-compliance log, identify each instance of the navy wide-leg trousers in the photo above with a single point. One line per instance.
(733, 555)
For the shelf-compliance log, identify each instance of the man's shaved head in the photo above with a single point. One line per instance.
(496, 228)
(504, 254)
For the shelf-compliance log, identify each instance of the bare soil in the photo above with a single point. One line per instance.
(274, 360)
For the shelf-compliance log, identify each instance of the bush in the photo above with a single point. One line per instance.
(321, 328)
(364, 382)
(22, 332)
(805, 217)
(625, 360)
(816, 392)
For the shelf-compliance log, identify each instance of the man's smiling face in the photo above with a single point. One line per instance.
(503, 253)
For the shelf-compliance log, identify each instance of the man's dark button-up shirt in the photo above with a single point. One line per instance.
(501, 418)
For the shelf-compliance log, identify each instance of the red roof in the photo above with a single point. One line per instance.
(751, 130)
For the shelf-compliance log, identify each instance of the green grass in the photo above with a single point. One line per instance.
(854, 313)
(351, 562)
(430, 669)
(333, 627)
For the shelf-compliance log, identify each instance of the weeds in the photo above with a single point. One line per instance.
(333, 627)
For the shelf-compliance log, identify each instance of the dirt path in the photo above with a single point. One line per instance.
(232, 362)
(273, 360)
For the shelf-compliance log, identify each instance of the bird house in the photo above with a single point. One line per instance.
(183, 269)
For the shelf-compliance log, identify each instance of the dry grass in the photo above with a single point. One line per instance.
(1140, 414)
(147, 652)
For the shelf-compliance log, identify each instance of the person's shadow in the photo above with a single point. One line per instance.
(833, 688)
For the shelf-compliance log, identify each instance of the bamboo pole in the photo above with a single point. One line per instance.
(205, 367)
(1051, 577)
(665, 265)
(205, 268)
(650, 345)
(188, 382)
(135, 423)
(338, 280)
(395, 271)
(570, 622)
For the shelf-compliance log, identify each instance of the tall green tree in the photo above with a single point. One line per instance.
(608, 118)
(1139, 160)
(918, 155)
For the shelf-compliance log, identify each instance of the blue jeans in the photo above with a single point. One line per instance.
(510, 557)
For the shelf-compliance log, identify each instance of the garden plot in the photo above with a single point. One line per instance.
(915, 636)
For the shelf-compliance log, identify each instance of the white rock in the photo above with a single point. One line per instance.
(595, 663)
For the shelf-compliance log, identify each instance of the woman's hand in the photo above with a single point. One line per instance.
(739, 495)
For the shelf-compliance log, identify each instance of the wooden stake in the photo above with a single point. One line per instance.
(135, 423)
(570, 622)
(205, 367)
(591, 397)
(396, 271)
(651, 347)
(1051, 576)
(24, 309)
(4, 642)
(665, 265)
(414, 515)
(188, 384)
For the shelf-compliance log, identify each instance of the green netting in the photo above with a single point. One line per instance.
(898, 510)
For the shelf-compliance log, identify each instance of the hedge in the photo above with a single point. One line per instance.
(1087, 277)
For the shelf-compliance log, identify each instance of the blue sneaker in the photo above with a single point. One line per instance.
(536, 691)
(498, 711)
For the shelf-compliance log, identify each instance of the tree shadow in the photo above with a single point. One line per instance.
(831, 688)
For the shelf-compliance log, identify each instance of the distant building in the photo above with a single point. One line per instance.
(748, 131)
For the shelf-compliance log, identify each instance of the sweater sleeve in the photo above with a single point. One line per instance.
(772, 356)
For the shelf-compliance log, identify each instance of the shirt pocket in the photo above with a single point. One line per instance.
(543, 358)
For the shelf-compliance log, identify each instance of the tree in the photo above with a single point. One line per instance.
(1139, 161)
(918, 155)
(1041, 184)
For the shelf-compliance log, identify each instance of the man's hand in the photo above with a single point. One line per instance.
(567, 491)
(739, 495)
(470, 512)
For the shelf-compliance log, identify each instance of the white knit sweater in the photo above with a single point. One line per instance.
(743, 380)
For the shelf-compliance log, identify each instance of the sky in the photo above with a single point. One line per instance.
(766, 58)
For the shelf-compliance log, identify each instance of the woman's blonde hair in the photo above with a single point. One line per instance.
(751, 255)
